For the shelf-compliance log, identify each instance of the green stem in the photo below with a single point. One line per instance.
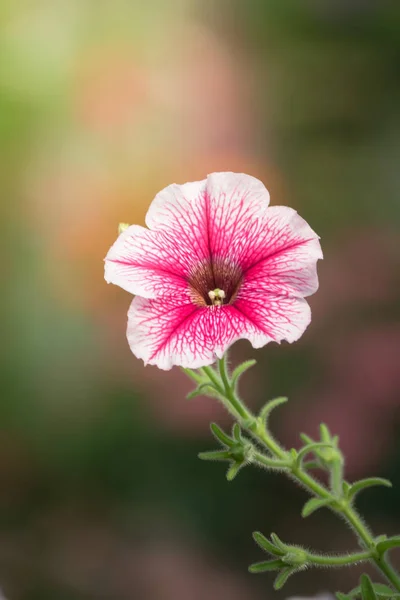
(240, 408)
(271, 463)
(386, 568)
(338, 561)
(258, 430)
(337, 477)
(213, 377)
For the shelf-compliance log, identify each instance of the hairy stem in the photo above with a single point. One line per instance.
(341, 506)
(339, 560)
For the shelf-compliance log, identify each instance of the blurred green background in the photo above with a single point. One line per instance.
(103, 103)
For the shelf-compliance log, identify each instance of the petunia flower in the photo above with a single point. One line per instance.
(216, 264)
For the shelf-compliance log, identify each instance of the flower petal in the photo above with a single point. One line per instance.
(283, 258)
(189, 225)
(273, 317)
(235, 204)
(148, 263)
(164, 333)
(211, 215)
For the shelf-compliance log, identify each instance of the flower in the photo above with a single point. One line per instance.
(215, 265)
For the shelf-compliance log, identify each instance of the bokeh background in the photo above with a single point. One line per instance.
(103, 103)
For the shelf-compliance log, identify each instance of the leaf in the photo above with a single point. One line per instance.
(233, 470)
(236, 432)
(199, 390)
(193, 375)
(367, 590)
(311, 447)
(278, 543)
(283, 577)
(392, 542)
(325, 433)
(306, 439)
(269, 407)
(381, 538)
(355, 592)
(267, 565)
(314, 504)
(381, 590)
(384, 591)
(266, 545)
(346, 488)
(341, 596)
(362, 484)
(240, 369)
(215, 455)
(221, 435)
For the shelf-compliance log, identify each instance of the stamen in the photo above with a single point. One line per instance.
(214, 284)
(216, 296)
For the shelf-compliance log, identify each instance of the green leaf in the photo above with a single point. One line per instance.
(367, 590)
(278, 543)
(267, 565)
(346, 488)
(306, 439)
(384, 591)
(392, 542)
(266, 545)
(200, 390)
(381, 590)
(341, 596)
(197, 377)
(236, 432)
(311, 448)
(221, 435)
(240, 369)
(355, 592)
(233, 471)
(269, 407)
(314, 504)
(325, 433)
(283, 577)
(358, 486)
(215, 455)
(380, 538)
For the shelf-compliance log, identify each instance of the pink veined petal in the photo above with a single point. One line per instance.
(235, 205)
(209, 214)
(188, 225)
(279, 317)
(148, 263)
(164, 333)
(283, 258)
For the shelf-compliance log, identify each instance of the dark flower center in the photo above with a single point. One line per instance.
(215, 283)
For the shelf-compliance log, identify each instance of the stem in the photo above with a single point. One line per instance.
(342, 507)
(213, 377)
(271, 463)
(240, 408)
(338, 561)
(391, 574)
(337, 477)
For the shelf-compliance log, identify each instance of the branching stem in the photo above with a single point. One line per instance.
(278, 457)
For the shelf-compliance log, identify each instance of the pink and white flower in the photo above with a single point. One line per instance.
(215, 265)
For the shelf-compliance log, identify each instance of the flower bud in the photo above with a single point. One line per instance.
(122, 227)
